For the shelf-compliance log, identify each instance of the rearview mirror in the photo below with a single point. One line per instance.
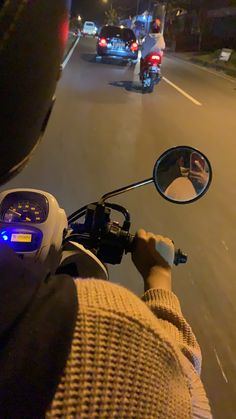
(182, 175)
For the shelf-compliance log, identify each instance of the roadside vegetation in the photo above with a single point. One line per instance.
(211, 59)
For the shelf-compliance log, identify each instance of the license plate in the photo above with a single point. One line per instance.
(154, 69)
(118, 45)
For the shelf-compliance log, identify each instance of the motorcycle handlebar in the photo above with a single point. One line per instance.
(114, 242)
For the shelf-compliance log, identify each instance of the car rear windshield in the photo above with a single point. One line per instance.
(117, 32)
(89, 24)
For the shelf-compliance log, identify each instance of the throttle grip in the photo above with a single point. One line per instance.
(180, 257)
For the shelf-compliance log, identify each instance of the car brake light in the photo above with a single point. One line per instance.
(102, 43)
(134, 47)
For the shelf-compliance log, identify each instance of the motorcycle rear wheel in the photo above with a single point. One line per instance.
(147, 88)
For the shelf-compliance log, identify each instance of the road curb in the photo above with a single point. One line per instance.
(229, 72)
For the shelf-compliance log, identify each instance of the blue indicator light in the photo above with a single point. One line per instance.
(4, 235)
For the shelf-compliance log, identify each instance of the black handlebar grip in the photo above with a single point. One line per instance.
(130, 244)
(180, 257)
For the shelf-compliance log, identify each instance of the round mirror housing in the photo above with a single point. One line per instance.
(182, 175)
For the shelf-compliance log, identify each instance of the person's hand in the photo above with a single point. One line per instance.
(154, 257)
(200, 176)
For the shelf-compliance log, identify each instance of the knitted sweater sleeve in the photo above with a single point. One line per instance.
(123, 363)
(166, 307)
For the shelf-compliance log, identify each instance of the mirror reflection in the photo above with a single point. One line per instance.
(182, 174)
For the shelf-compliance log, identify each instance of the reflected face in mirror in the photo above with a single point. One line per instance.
(182, 174)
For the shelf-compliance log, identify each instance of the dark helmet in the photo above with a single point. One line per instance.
(33, 34)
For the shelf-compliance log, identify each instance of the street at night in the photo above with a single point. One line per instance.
(104, 133)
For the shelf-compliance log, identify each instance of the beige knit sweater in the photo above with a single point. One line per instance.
(130, 358)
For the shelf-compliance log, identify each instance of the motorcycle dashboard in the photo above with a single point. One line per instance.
(24, 207)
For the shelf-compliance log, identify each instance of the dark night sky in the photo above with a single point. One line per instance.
(88, 9)
(94, 9)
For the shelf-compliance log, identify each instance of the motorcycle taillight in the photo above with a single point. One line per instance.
(155, 59)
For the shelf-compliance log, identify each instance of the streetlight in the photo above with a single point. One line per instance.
(107, 2)
(79, 18)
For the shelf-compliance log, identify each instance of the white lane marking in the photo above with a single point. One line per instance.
(70, 54)
(195, 101)
(221, 367)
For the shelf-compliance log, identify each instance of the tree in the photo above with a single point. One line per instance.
(120, 8)
(75, 23)
(169, 15)
(200, 8)
(112, 17)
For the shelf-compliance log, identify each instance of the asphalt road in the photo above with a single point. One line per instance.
(104, 134)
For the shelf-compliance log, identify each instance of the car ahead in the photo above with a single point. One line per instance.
(89, 29)
(117, 42)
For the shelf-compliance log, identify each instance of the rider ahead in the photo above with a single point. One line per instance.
(154, 41)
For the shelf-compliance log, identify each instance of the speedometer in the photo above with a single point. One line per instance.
(24, 211)
(31, 224)
(20, 207)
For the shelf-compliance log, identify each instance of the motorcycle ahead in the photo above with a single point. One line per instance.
(150, 71)
(32, 223)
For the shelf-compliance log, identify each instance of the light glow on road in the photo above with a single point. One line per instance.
(185, 94)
